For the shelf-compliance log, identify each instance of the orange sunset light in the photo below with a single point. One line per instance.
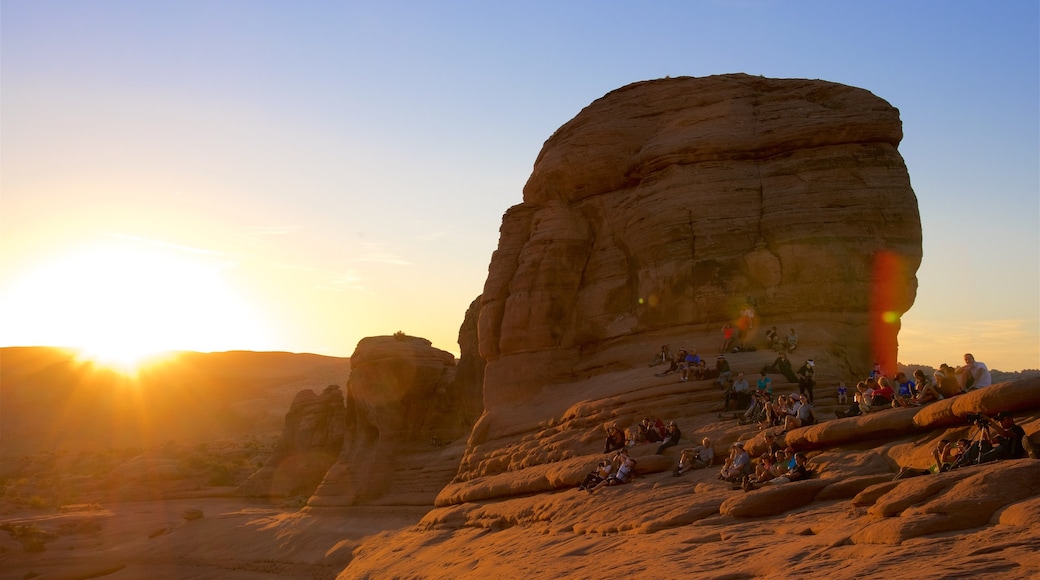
(122, 305)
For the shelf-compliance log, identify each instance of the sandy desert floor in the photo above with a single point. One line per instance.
(232, 540)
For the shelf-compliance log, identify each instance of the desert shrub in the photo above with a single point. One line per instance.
(37, 501)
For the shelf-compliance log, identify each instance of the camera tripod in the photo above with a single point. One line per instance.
(973, 454)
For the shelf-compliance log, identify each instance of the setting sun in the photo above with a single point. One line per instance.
(125, 302)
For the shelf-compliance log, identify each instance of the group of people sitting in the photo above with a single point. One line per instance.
(686, 362)
(616, 471)
(996, 438)
(649, 430)
(775, 466)
(878, 392)
(789, 411)
(782, 343)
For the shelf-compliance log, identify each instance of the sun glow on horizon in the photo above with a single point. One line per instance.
(124, 305)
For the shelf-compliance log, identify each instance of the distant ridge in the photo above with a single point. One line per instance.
(50, 400)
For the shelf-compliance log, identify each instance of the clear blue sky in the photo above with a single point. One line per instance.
(340, 169)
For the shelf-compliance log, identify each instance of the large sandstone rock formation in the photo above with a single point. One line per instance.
(652, 217)
(657, 210)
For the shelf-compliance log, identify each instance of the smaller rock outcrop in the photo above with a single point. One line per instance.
(310, 443)
(406, 421)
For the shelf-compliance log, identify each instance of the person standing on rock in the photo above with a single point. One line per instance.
(806, 380)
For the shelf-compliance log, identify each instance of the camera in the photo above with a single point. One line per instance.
(976, 418)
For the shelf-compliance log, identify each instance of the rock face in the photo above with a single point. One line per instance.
(657, 215)
(403, 409)
(656, 211)
(310, 443)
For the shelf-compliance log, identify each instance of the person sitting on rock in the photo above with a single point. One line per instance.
(860, 400)
(806, 379)
(946, 456)
(973, 375)
(727, 337)
(1005, 437)
(722, 372)
(799, 472)
(756, 411)
(771, 445)
(737, 465)
(671, 437)
(876, 372)
(881, 396)
(764, 471)
(904, 396)
(602, 471)
(782, 365)
(773, 339)
(776, 411)
(803, 416)
(615, 439)
(765, 384)
(675, 364)
(739, 392)
(946, 381)
(625, 470)
(791, 342)
(688, 364)
(925, 388)
(698, 457)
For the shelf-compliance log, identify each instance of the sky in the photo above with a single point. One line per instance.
(295, 176)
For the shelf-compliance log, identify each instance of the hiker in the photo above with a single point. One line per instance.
(698, 457)
(843, 397)
(973, 375)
